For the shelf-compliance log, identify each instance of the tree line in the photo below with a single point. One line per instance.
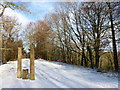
(10, 32)
(79, 33)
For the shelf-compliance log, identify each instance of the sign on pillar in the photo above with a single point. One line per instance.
(32, 75)
(19, 68)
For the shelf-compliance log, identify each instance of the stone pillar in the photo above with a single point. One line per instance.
(19, 65)
(32, 76)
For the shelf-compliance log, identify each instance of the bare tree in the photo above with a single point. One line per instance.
(12, 5)
(113, 10)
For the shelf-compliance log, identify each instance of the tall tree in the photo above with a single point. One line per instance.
(111, 11)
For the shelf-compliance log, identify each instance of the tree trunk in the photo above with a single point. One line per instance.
(90, 55)
(97, 57)
(113, 40)
(83, 60)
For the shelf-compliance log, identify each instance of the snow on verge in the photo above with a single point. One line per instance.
(50, 74)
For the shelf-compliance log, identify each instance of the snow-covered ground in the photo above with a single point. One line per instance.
(55, 75)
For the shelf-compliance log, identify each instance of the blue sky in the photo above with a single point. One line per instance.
(38, 9)
(38, 12)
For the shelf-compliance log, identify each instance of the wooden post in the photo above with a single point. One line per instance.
(19, 66)
(32, 77)
(4, 55)
(25, 74)
(0, 47)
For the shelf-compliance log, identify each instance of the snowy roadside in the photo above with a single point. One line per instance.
(50, 74)
(107, 73)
